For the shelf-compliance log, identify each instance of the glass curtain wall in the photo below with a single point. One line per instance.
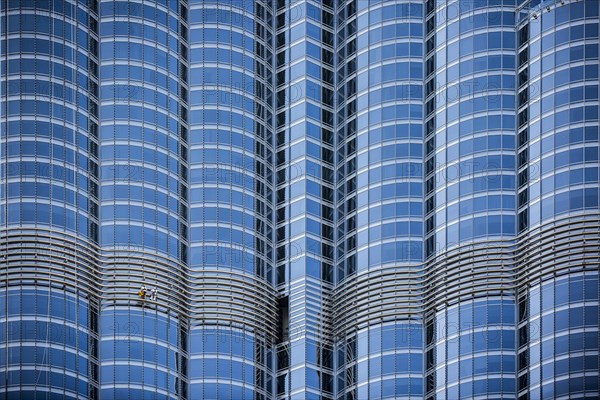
(304, 201)
(379, 297)
(49, 199)
(558, 199)
(233, 305)
(471, 198)
(143, 152)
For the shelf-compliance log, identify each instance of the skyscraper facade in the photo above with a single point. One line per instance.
(252, 199)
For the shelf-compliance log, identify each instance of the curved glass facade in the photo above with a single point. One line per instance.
(379, 351)
(251, 199)
(471, 199)
(143, 113)
(558, 199)
(231, 172)
(49, 192)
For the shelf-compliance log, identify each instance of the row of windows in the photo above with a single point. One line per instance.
(393, 210)
(228, 138)
(483, 124)
(474, 65)
(567, 14)
(551, 101)
(221, 256)
(388, 52)
(223, 77)
(222, 195)
(139, 154)
(575, 200)
(559, 37)
(227, 37)
(571, 318)
(566, 387)
(219, 391)
(149, 12)
(390, 73)
(376, 174)
(147, 376)
(480, 184)
(374, 35)
(68, 386)
(222, 98)
(47, 109)
(132, 51)
(480, 365)
(563, 345)
(137, 236)
(58, 216)
(39, 190)
(221, 16)
(131, 132)
(44, 91)
(563, 179)
(116, 214)
(476, 314)
(480, 204)
(69, 10)
(481, 104)
(60, 153)
(221, 368)
(43, 46)
(229, 56)
(149, 115)
(567, 364)
(390, 191)
(150, 76)
(390, 364)
(479, 43)
(223, 117)
(224, 234)
(480, 21)
(482, 387)
(398, 251)
(149, 195)
(41, 24)
(140, 174)
(140, 30)
(134, 322)
(457, 8)
(390, 113)
(41, 302)
(385, 12)
(27, 127)
(391, 388)
(223, 342)
(46, 355)
(563, 291)
(135, 93)
(46, 170)
(59, 70)
(552, 81)
(135, 351)
(468, 229)
(554, 161)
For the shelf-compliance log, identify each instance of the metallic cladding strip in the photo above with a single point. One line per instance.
(472, 270)
(234, 298)
(378, 296)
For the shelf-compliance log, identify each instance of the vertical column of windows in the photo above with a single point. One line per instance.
(49, 198)
(305, 207)
(231, 199)
(144, 119)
